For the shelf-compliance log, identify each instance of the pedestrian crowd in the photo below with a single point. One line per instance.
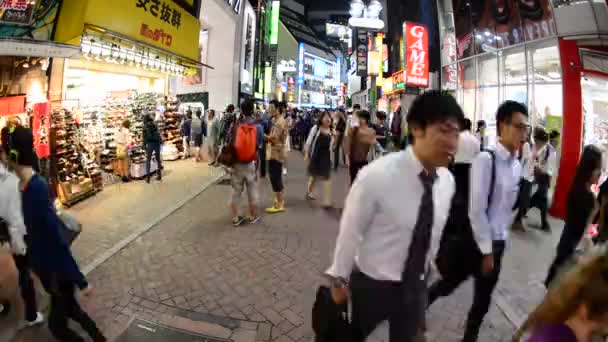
(425, 190)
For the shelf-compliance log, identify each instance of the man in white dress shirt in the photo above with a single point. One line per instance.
(544, 168)
(394, 214)
(495, 176)
(525, 186)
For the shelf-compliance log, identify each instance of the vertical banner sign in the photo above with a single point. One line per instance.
(416, 54)
(362, 44)
(41, 129)
(274, 23)
(300, 64)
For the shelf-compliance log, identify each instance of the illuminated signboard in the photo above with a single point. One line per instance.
(416, 54)
(398, 80)
(274, 23)
(300, 64)
(320, 68)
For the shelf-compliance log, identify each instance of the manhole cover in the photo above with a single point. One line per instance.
(143, 331)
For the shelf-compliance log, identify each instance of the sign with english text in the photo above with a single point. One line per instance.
(416, 46)
(362, 49)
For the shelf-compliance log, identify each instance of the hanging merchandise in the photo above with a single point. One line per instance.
(173, 146)
(77, 175)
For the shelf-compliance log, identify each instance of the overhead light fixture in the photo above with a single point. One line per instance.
(357, 8)
(373, 9)
(367, 23)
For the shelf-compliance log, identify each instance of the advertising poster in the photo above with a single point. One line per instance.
(486, 25)
(28, 18)
(247, 51)
(41, 129)
(200, 78)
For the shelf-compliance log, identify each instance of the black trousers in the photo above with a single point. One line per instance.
(523, 199)
(484, 286)
(540, 198)
(26, 284)
(338, 150)
(374, 301)
(565, 250)
(275, 171)
(153, 148)
(64, 306)
(262, 157)
(355, 167)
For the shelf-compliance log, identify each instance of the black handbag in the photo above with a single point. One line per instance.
(71, 227)
(5, 236)
(330, 320)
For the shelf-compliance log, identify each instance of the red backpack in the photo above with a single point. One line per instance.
(245, 143)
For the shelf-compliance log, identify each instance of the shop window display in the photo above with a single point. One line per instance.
(513, 73)
(595, 108)
(488, 92)
(468, 84)
(546, 84)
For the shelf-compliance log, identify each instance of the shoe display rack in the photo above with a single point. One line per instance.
(77, 176)
(173, 146)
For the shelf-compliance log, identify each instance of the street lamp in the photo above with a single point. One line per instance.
(366, 17)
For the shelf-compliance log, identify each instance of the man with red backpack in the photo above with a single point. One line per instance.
(246, 139)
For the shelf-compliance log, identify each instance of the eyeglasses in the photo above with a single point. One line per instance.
(522, 127)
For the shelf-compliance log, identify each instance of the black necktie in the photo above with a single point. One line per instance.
(421, 237)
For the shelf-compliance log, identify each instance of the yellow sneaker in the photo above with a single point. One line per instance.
(275, 210)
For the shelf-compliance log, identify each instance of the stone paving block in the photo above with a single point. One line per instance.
(240, 335)
(264, 332)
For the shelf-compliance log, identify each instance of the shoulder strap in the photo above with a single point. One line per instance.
(547, 152)
(492, 178)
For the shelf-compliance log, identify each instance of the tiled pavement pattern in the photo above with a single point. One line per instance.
(199, 272)
(124, 208)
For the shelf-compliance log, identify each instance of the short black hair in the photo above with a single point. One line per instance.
(247, 107)
(230, 108)
(466, 125)
(554, 134)
(540, 135)
(356, 107)
(381, 115)
(363, 114)
(505, 112)
(21, 140)
(433, 107)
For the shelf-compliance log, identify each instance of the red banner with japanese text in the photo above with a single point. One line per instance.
(416, 54)
(41, 128)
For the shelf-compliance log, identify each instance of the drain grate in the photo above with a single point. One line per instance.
(140, 330)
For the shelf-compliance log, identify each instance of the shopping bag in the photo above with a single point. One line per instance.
(71, 227)
(330, 321)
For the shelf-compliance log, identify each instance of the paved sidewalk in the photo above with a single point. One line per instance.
(123, 211)
(194, 271)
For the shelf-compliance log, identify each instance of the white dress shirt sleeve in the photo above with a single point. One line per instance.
(551, 162)
(481, 173)
(356, 219)
(11, 212)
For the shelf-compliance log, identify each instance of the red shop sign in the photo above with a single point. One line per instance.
(12, 105)
(416, 54)
(41, 128)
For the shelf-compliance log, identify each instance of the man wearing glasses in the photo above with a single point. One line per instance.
(495, 176)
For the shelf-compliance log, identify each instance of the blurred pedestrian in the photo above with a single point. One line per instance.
(576, 308)
(11, 220)
(544, 169)
(479, 249)
(394, 209)
(197, 135)
(123, 140)
(277, 157)
(152, 143)
(579, 208)
(318, 154)
(185, 128)
(50, 256)
(340, 131)
(358, 143)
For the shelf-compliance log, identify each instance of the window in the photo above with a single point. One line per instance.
(513, 75)
(546, 85)
(468, 84)
(488, 92)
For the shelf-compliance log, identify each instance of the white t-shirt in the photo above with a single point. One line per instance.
(123, 136)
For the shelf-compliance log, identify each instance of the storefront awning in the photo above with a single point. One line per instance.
(159, 29)
(36, 48)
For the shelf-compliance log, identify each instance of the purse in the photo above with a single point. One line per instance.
(71, 227)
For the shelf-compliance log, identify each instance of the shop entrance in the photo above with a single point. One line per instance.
(595, 108)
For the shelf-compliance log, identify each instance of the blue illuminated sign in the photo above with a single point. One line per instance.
(300, 80)
(320, 68)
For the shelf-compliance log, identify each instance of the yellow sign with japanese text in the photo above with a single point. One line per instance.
(159, 23)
